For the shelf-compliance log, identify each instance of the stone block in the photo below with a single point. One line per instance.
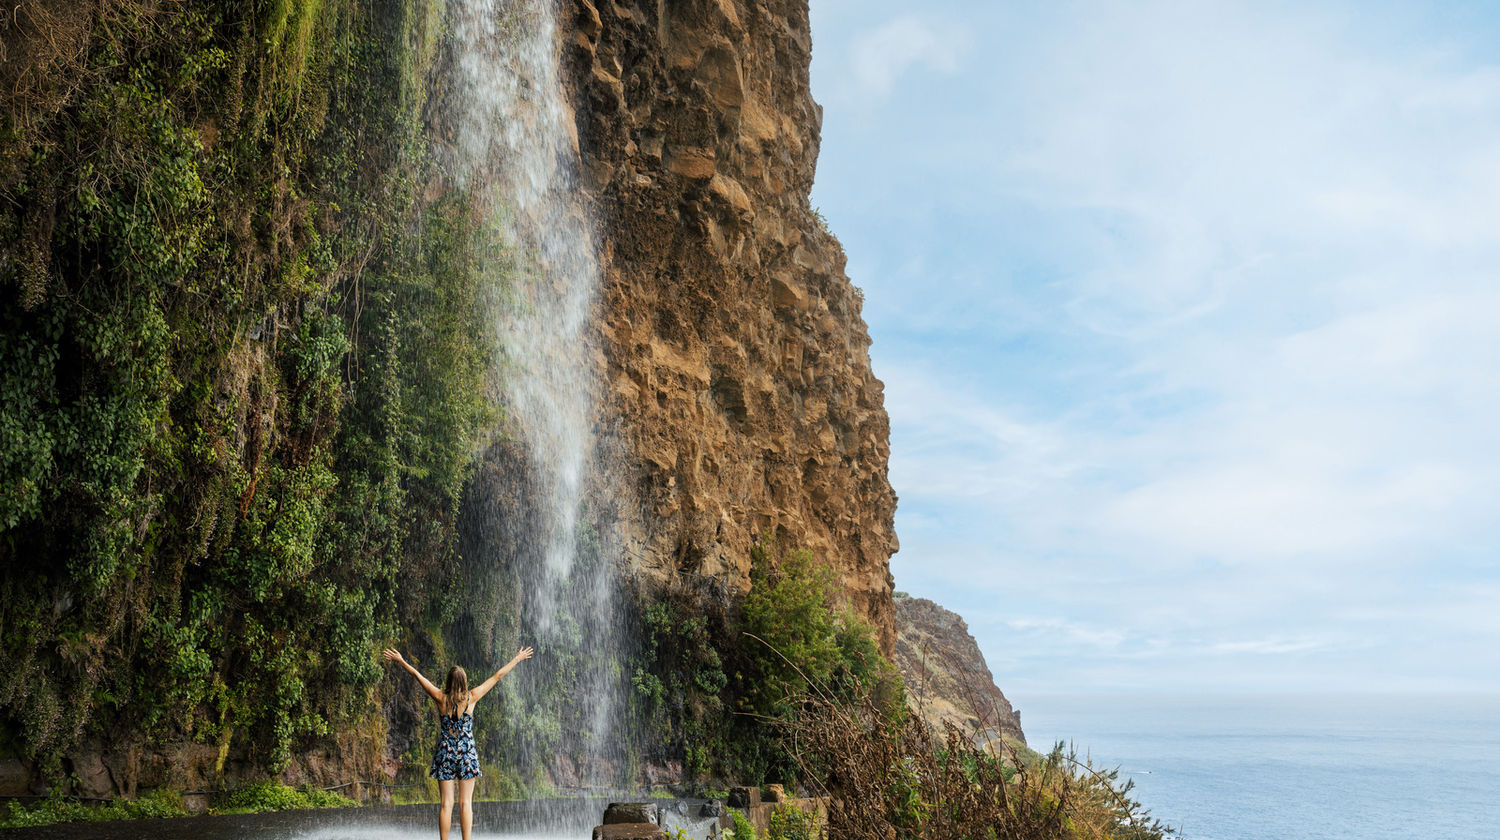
(629, 831)
(773, 793)
(744, 797)
(632, 812)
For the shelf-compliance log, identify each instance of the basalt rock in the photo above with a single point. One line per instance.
(946, 676)
(737, 368)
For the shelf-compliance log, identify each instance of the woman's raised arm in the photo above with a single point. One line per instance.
(484, 687)
(432, 690)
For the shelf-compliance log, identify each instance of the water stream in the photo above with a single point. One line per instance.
(512, 148)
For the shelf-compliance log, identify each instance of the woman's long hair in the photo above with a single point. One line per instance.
(455, 692)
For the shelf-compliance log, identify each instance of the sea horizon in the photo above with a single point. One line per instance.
(1314, 765)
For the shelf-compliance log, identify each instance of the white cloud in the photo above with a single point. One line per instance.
(1073, 631)
(880, 56)
(1241, 382)
(1268, 647)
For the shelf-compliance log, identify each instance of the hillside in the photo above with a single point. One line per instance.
(947, 679)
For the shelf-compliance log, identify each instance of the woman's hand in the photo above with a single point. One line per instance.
(522, 654)
(393, 655)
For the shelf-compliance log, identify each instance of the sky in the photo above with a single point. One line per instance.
(1188, 319)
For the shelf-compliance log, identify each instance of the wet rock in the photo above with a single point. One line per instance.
(15, 779)
(195, 803)
(93, 776)
(632, 812)
(712, 808)
(666, 773)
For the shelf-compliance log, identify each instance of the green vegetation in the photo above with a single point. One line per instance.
(793, 609)
(740, 827)
(274, 796)
(242, 366)
(707, 684)
(262, 796)
(678, 679)
(797, 638)
(890, 776)
(57, 809)
(788, 822)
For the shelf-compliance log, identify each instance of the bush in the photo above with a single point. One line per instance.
(275, 796)
(801, 638)
(705, 684)
(740, 827)
(156, 804)
(788, 822)
(798, 641)
(889, 776)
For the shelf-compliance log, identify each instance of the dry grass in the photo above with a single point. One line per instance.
(44, 50)
(891, 776)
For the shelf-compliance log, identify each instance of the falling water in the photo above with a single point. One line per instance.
(510, 140)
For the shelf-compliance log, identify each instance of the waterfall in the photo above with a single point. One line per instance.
(511, 145)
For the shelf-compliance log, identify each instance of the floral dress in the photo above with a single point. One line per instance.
(456, 757)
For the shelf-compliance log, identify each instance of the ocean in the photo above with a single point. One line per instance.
(1308, 767)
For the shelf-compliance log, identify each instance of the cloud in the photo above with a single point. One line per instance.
(1268, 647)
(880, 56)
(1073, 631)
(1186, 317)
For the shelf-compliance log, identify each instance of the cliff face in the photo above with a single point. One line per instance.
(738, 372)
(946, 675)
(280, 387)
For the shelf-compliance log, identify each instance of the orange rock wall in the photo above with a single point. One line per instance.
(738, 381)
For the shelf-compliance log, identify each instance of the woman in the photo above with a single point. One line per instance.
(455, 762)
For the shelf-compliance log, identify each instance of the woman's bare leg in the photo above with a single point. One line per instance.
(466, 806)
(445, 810)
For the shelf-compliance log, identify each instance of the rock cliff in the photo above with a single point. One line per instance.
(293, 380)
(738, 375)
(946, 675)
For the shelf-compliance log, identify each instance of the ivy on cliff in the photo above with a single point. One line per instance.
(242, 369)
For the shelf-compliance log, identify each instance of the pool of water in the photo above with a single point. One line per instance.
(551, 819)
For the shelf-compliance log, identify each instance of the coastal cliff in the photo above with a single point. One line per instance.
(947, 679)
(738, 372)
(250, 428)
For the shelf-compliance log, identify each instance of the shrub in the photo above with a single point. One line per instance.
(890, 776)
(704, 684)
(801, 638)
(275, 796)
(740, 827)
(161, 803)
(788, 822)
(798, 641)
